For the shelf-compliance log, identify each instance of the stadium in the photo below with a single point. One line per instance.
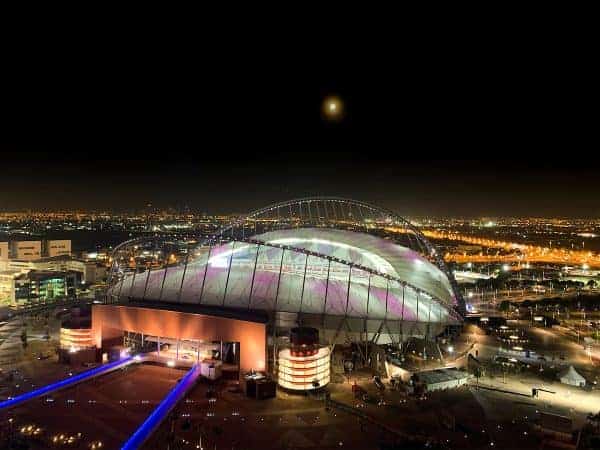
(328, 264)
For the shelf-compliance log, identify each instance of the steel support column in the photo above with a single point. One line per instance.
(187, 258)
(348, 290)
(279, 280)
(368, 293)
(402, 316)
(162, 284)
(210, 246)
(253, 275)
(303, 282)
(387, 291)
(120, 289)
(326, 289)
(146, 285)
(228, 272)
(133, 280)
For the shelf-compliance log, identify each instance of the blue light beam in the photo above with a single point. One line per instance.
(162, 410)
(64, 383)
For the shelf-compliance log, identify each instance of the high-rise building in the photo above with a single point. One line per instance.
(32, 250)
(57, 248)
(26, 250)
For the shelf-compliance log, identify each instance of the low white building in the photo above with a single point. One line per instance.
(58, 248)
(32, 250)
(571, 377)
(440, 379)
(26, 250)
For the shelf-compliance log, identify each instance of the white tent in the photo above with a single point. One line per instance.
(571, 377)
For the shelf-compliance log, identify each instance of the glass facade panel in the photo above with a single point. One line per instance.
(172, 284)
(125, 285)
(314, 287)
(337, 290)
(139, 283)
(394, 304)
(377, 297)
(290, 287)
(265, 280)
(240, 276)
(216, 274)
(154, 283)
(359, 290)
(194, 275)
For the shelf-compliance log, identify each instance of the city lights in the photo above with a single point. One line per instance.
(512, 251)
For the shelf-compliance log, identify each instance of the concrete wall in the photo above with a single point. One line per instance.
(59, 247)
(110, 319)
(26, 250)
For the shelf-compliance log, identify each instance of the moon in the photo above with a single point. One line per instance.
(333, 108)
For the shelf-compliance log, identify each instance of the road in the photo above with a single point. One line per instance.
(557, 349)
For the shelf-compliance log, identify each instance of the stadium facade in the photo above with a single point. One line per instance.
(355, 272)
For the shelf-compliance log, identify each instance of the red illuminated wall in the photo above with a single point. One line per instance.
(108, 321)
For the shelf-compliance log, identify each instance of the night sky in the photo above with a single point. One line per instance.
(496, 136)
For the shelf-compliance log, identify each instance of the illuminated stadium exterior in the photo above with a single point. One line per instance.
(328, 263)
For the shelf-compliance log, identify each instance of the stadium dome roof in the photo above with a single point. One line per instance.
(317, 256)
(360, 249)
(312, 271)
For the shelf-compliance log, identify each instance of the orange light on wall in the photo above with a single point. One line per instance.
(303, 373)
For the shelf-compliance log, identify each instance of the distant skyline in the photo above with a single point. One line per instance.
(412, 187)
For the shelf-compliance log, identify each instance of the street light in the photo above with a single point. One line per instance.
(171, 364)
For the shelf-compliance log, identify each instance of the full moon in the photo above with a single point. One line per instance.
(332, 108)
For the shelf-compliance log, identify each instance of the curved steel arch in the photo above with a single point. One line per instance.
(383, 211)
